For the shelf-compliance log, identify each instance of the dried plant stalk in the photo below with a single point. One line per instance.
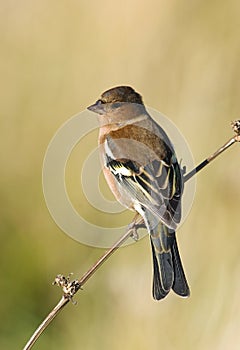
(70, 288)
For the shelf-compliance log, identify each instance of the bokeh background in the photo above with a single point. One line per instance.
(56, 58)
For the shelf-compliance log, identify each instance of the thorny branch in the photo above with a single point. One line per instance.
(70, 288)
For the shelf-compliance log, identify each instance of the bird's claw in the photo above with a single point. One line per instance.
(134, 234)
(137, 223)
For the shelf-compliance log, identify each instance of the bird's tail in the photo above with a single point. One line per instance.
(167, 267)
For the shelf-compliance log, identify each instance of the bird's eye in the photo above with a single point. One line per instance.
(100, 101)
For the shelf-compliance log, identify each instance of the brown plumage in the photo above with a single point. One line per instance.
(142, 171)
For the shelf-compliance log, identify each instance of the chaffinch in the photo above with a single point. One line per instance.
(142, 171)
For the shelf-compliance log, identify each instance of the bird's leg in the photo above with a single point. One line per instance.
(134, 225)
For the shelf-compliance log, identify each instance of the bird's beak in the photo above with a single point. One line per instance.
(97, 107)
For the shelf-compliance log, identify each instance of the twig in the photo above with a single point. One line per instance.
(236, 128)
(46, 322)
(71, 288)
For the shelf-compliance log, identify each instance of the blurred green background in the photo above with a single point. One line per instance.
(56, 58)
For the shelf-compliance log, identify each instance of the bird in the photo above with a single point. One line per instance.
(141, 168)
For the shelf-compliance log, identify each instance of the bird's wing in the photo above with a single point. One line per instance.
(153, 182)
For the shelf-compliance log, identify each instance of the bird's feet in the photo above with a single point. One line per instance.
(137, 223)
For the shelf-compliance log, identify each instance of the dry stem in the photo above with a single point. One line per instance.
(70, 288)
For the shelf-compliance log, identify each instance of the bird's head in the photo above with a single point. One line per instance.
(118, 102)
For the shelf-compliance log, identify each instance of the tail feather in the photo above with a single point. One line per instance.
(167, 267)
(180, 285)
(162, 274)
